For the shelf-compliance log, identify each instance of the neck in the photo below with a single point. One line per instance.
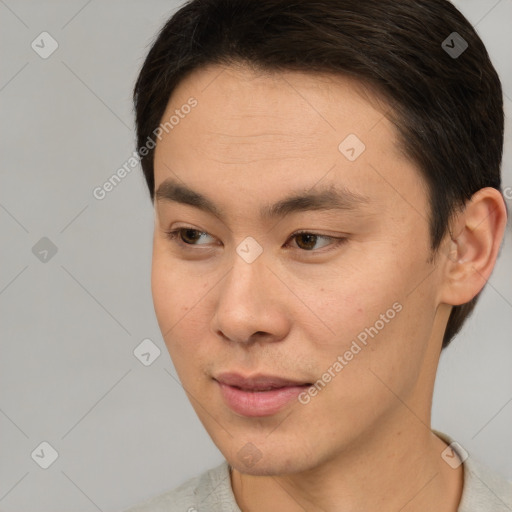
(393, 469)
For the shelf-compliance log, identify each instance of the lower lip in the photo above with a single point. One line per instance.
(259, 403)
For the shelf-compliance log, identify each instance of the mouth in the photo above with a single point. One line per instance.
(259, 395)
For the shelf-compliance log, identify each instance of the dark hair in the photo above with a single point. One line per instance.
(446, 105)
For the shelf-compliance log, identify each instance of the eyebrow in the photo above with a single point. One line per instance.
(331, 198)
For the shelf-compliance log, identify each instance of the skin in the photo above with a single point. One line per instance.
(364, 442)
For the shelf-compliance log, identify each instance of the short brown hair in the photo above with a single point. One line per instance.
(448, 108)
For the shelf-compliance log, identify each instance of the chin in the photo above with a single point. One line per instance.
(269, 461)
(268, 468)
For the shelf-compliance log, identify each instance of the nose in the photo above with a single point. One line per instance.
(251, 304)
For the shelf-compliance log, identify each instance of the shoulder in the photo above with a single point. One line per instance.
(484, 490)
(209, 491)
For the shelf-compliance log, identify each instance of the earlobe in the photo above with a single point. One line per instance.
(474, 245)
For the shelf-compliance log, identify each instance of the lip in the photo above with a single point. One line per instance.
(258, 395)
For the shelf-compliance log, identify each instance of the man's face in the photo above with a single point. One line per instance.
(241, 292)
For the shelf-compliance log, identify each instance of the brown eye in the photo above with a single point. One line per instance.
(307, 240)
(315, 243)
(190, 236)
(187, 236)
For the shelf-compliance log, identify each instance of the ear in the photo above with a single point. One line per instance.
(477, 233)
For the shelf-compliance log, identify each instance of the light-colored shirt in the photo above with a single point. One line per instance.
(483, 491)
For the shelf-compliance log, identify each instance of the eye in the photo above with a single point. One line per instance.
(186, 236)
(307, 241)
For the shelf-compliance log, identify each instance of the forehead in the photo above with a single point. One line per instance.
(241, 96)
(275, 110)
(257, 134)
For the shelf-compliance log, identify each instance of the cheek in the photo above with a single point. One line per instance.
(166, 289)
(177, 301)
(377, 321)
(384, 354)
(345, 303)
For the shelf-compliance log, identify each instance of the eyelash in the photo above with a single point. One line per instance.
(337, 241)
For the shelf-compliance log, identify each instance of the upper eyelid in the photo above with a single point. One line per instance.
(295, 233)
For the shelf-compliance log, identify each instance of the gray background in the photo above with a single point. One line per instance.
(68, 375)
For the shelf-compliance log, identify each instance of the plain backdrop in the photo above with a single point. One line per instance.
(75, 295)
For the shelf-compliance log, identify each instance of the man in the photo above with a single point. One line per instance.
(326, 184)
